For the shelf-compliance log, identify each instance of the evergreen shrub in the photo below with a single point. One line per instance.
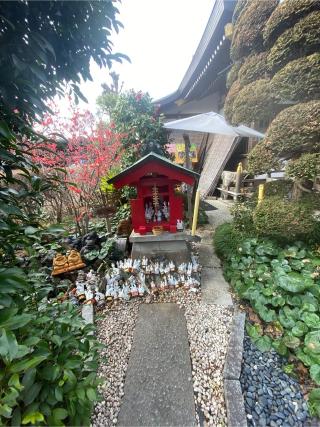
(254, 68)
(253, 103)
(301, 40)
(233, 73)
(299, 80)
(247, 36)
(230, 98)
(262, 160)
(305, 167)
(285, 16)
(226, 240)
(295, 130)
(240, 6)
(284, 220)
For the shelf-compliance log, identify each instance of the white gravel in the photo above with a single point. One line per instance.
(208, 330)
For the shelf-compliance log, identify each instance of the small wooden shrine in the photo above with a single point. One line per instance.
(157, 205)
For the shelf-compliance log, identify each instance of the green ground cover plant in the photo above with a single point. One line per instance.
(282, 285)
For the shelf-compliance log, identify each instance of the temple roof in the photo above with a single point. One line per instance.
(153, 163)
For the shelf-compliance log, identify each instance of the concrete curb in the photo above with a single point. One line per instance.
(87, 313)
(236, 413)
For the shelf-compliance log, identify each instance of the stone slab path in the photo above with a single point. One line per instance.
(158, 388)
(214, 288)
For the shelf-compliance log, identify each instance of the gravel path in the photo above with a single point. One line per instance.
(208, 332)
(272, 398)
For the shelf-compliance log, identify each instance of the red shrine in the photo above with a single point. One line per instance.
(157, 202)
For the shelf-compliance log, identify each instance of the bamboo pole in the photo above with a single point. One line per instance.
(195, 213)
(261, 193)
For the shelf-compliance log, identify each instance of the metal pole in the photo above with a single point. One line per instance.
(188, 166)
(238, 179)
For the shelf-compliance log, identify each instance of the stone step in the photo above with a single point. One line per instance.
(214, 288)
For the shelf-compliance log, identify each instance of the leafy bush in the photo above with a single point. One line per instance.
(301, 40)
(298, 80)
(281, 188)
(284, 220)
(240, 5)
(305, 167)
(226, 240)
(247, 35)
(230, 98)
(262, 160)
(242, 216)
(233, 74)
(282, 286)
(254, 68)
(295, 130)
(285, 16)
(253, 103)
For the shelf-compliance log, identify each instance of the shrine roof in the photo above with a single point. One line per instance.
(145, 165)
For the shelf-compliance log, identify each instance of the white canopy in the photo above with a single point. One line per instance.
(212, 123)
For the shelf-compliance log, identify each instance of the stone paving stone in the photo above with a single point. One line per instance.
(158, 388)
(207, 257)
(214, 288)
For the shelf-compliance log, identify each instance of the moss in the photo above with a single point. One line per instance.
(253, 103)
(305, 167)
(295, 130)
(247, 36)
(262, 160)
(299, 80)
(254, 68)
(233, 74)
(230, 98)
(285, 16)
(301, 40)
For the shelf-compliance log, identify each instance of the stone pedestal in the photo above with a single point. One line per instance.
(173, 246)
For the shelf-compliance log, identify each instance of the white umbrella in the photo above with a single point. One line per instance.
(212, 123)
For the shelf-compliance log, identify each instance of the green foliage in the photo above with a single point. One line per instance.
(134, 115)
(282, 286)
(305, 167)
(233, 74)
(52, 48)
(242, 217)
(285, 16)
(300, 40)
(253, 68)
(262, 160)
(253, 103)
(240, 6)
(283, 219)
(226, 240)
(281, 188)
(247, 35)
(314, 402)
(230, 98)
(295, 130)
(298, 80)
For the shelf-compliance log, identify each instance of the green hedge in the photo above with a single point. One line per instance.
(229, 101)
(300, 40)
(233, 74)
(295, 130)
(226, 240)
(262, 160)
(254, 68)
(285, 16)
(305, 167)
(284, 220)
(253, 103)
(247, 35)
(299, 80)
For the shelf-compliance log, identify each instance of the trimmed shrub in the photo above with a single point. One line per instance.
(254, 68)
(230, 98)
(233, 74)
(226, 240)
(253, 103)
(281, 188)
(299, 80)
(301, 40)
(242, 216)
(240, 6)
(247, 36)
(305, 167)
(262, 160)
(284, 220)
(295, 130)
(285, 16)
